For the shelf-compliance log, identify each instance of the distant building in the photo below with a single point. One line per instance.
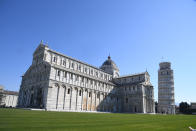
(8, 98)
(11, 98)
(55, 81)
(193, 107)
(1, 96)
(166, 101)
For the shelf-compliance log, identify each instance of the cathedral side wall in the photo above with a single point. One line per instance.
(137, 93)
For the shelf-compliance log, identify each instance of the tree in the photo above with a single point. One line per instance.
(184, 108)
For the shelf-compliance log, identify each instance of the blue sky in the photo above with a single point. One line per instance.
(136, 33)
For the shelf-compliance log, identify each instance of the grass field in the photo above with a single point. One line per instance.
(26, 120)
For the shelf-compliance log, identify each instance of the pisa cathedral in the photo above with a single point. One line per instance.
(57, 82)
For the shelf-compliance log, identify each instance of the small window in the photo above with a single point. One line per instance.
(80, 93)
(69, 64)
(105, 77)
(71, 76)
(59, 73)
(64, 63)
(79, 67)
(54, 59)
(89, 95)
(72, 65)
(65, 74)
(97, 74)
(68, 92)
(127, 100)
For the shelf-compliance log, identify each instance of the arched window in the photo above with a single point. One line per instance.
(72, 65)
(135, 109)
(79, 67)
(96, 74)
(65, 74)
(80, 93)
(127, 100)
(64, 62)
(54, 59)
(71, 75)
(59, 72)
(68, 91)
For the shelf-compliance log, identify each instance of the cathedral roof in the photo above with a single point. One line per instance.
(10, 92)
(97, 68)
(130, 75)
(109, 62)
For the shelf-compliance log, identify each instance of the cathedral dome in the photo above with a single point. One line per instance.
(110, 67)
(110, 63)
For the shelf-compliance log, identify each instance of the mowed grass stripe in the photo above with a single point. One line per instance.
(26, 120)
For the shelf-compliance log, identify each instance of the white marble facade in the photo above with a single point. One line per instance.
(57, 82)
(166, 100)
(8, 98)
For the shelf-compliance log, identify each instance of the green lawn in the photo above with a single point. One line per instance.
(26, 120)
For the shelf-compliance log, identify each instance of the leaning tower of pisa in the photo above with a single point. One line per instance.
(166, 101)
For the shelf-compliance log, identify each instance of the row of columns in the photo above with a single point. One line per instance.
(79, 99)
